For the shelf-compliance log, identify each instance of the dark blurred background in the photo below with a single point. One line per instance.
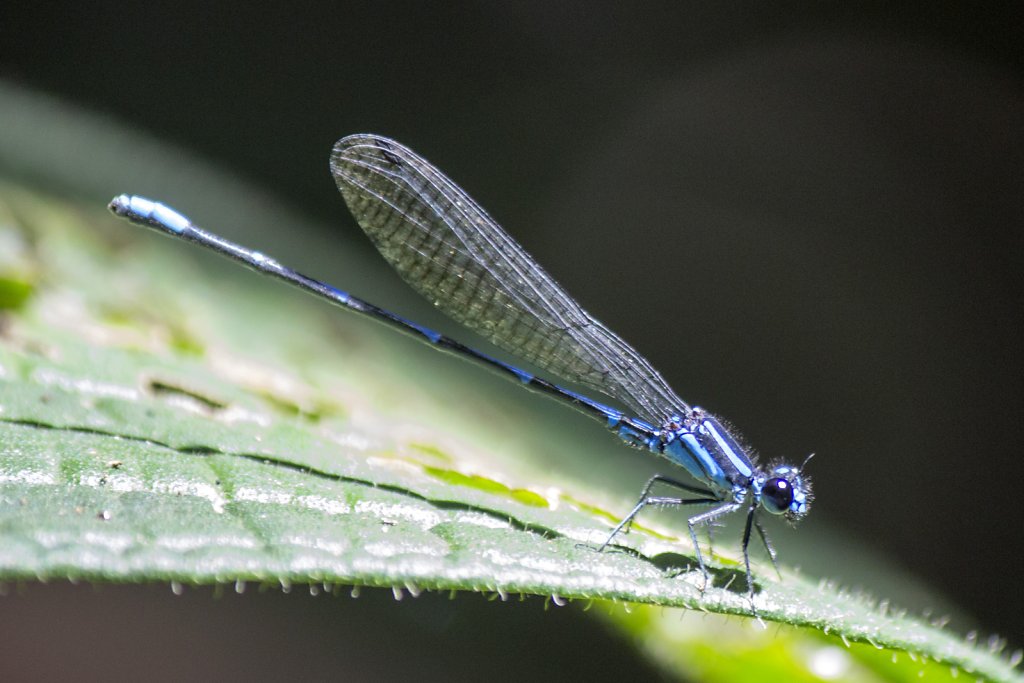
(808, 216)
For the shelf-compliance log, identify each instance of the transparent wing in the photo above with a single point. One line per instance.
(450, 251)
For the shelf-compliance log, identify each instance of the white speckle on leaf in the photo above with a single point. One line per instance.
(28, 478)
(50, 377)
(198, 489)
(249, 494)
(334, 548)
(116, 542)
(423, 517)
(235, 414)
(190, 542)
(328, 505)
(480, 519)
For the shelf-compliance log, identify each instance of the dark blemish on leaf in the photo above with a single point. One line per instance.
(165, 389)
(196, 449)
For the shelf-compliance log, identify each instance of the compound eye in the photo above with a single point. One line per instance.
(777, 495)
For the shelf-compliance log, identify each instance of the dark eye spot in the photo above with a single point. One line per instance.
(777, 495)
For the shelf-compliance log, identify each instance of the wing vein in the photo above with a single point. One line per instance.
(452, 252)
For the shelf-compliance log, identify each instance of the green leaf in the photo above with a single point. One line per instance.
(162, 419)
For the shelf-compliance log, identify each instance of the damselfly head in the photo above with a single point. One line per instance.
(786, 491)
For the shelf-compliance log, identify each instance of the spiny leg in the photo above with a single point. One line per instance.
(628, 519)
(661, 501)
(767, 546)
(645, 500)
(746, 556)
(705, 518)
(660, 478)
